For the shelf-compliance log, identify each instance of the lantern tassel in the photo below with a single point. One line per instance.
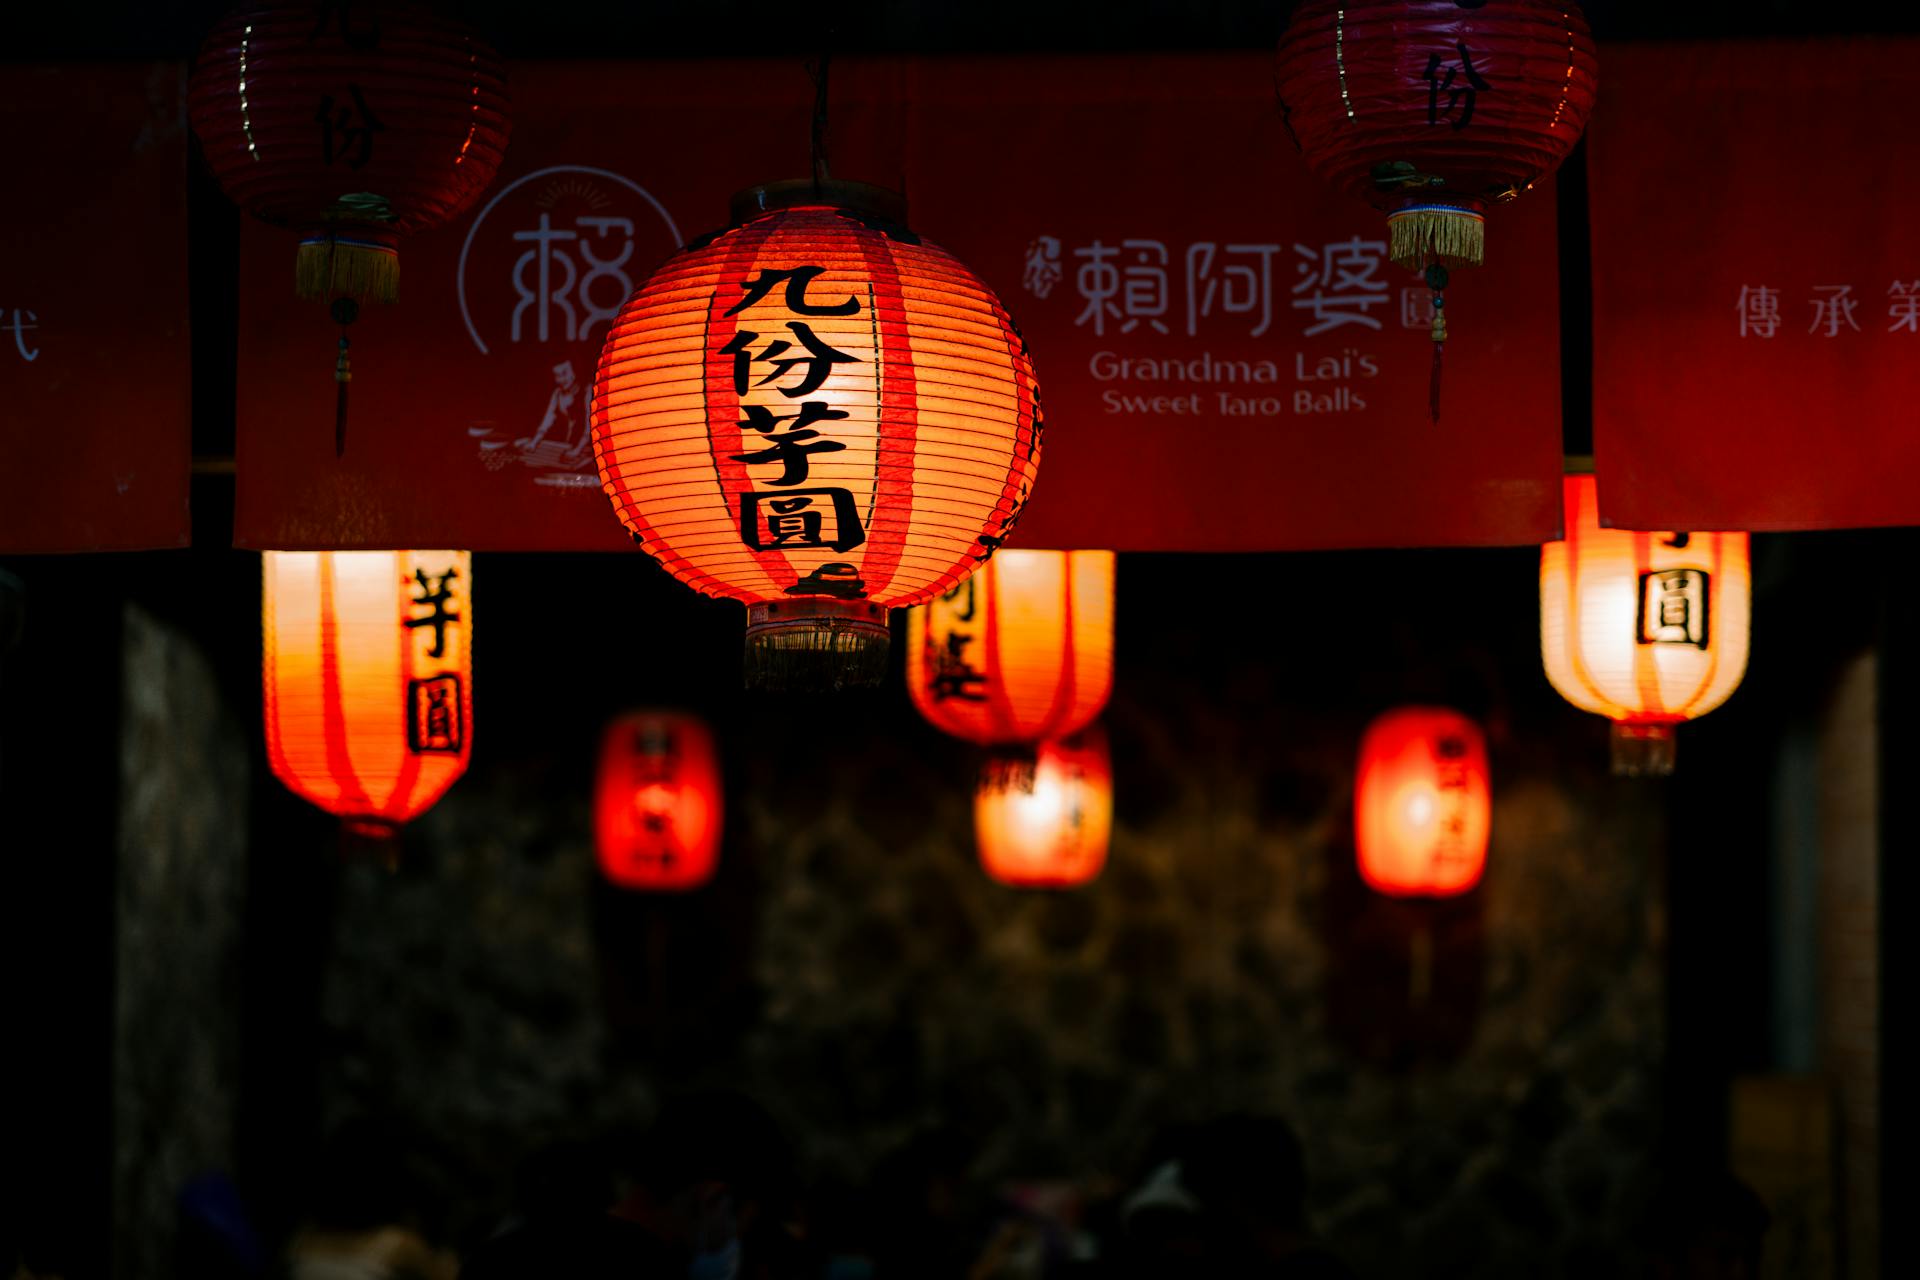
(330, 264)
(1447, 234)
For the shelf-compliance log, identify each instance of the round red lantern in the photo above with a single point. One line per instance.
(1422, 805)
(1043, 819)
(352, 123)
(1021, 651)
(821, 415)
(1646, 629)
(368, 679)
(657, 804)
(1434, 109)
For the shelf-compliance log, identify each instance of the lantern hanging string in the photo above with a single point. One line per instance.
(1436, 276)
(818, 70)
(344, 311)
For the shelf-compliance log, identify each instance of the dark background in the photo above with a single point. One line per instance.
(1819, 600)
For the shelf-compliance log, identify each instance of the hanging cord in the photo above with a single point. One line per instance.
(344, 311)
(819, 69)
(1437, 281)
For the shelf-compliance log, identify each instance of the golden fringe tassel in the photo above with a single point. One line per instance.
(1451, 237)
(327, 269)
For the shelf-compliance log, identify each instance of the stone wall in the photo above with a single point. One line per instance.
(1849, 932)
(1476, 1083)
(180, 888)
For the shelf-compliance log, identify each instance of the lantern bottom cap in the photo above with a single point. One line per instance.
(816, 645)
(1642, 750)
(370, 840)
(1422, 234)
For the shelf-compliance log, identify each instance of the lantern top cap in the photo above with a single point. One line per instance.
(1578, 464)
(860, 197)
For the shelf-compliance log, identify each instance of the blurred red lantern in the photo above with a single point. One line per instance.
(352, 123)
(821, 415)
(368, 679)
(657, 804)
(1021, 651)
(1043, 819)
(1423, 807)
(1433, 109)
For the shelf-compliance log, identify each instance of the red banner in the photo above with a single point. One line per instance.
(1756, 286)
(95, 418)
(1228, 361)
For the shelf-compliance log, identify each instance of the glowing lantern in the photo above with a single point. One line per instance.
(1043, 821)
(1647, 629)
(354, 124)
(656, 806)
(1022, 650)
(1422, 805)
(821, 415)
(368, 678)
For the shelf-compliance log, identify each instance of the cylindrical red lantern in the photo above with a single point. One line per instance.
(368, 678)
(1433, 109)
(1021, 651)
(1423, 806)
(821, 415)
(1646, 629)
(657, 804)
(352, 123)
(1043, 820)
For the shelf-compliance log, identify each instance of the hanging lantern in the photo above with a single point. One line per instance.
(1043, 821)
(656, 807)
(1432, 110)
(1422, 804)
(352, 123)
(1646, 629)
(818, 414)
(368, 678)
(1022, 650)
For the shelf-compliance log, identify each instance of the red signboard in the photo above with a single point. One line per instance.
(95, 425)
(1756, 286)
(1227, 360)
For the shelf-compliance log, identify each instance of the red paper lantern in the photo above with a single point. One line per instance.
(1043, 820)
(352, 123)
(1423, 805)
(657, 806)
(821, 415)
(1646, 629)
(368, 679)
(1433, 109)
(1022, 650)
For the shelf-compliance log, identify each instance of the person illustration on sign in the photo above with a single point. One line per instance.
(562, 445)
(560, 413)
